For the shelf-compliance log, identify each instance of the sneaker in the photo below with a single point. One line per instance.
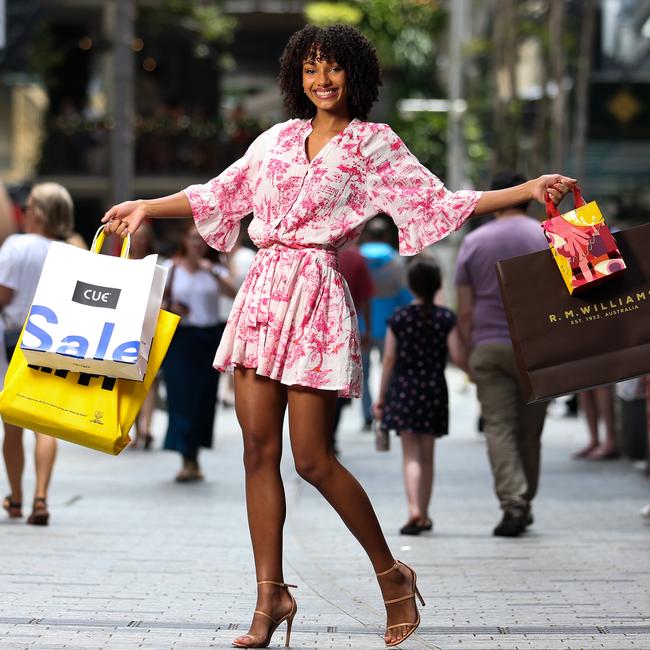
(511, 525)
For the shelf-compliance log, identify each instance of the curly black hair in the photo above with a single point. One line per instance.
(340, 43)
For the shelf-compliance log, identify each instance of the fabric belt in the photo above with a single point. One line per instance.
(266, 266)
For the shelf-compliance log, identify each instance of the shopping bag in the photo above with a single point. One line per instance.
(581, 243)
(94, 313)
(87, 409)
(566, 343)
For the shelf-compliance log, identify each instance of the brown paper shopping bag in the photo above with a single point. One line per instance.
(566, 343)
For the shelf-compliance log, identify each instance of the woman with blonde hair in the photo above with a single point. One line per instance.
(48, 216)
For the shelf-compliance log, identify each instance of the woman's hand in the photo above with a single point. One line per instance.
(125, 218)
(554, 186)
(378, 409)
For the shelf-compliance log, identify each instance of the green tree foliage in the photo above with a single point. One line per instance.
(407, 35)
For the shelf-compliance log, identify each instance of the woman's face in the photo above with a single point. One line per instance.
(325, 83)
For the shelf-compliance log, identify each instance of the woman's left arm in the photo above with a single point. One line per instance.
(423, 209)
(553, 185)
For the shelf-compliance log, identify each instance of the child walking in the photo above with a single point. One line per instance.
(413, 392)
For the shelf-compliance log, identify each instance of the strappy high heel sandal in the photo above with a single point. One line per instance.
(414, 592)
(288, 617)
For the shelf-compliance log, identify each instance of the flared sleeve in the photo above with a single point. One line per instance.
(423, 209)
(219, 205)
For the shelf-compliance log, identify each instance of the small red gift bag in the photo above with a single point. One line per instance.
(582, 244)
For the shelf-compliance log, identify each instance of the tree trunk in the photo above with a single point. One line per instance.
(122, 135)
(557, 57)
(539, 162)
(506, 116)
(585, 57)
(511, 53)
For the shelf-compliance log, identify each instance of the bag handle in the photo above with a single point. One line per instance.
(578, 201)
(98, 242)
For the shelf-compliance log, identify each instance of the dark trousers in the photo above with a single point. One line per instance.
(192, 385)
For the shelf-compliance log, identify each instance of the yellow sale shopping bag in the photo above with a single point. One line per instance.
(89, 410)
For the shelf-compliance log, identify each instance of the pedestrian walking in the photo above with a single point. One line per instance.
(391, 292)
(48, 215)
(194, 287)
(413, 393)
(513, 430)
(292, 338)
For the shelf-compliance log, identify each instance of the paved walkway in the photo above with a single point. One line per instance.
(133, 560)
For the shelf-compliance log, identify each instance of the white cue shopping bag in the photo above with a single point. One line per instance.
(94, 313)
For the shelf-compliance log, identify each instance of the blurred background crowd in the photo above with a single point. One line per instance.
(121, 98)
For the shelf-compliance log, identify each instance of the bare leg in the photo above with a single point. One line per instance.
(412, 470)
(44, 457)
(14, 455)
(311, 413)
(143, 421)
(426, 444)
(587, 401)
(260, 404)
(604, 399)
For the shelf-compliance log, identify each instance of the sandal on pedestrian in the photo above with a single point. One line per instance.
(288, 617)
(40, 515)
(189, 476)
(411, 527)
(425, 525)
(414, 592)
(14, 508)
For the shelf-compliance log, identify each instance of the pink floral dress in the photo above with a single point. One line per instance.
(293, 319)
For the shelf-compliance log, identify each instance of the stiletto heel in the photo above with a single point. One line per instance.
(289, 624)
(414, 592)
(275, 623)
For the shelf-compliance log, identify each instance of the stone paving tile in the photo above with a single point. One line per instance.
(133, 560)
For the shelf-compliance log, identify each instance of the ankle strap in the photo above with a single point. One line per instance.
(393, 568)
(277, 584)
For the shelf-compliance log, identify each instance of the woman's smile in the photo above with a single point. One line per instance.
(325, 93)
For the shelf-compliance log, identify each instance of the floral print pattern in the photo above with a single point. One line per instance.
(293, 319)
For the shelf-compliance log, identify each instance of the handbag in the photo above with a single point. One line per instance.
(87, 409)
(566, 342)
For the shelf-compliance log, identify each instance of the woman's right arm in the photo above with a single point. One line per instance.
(125, 218)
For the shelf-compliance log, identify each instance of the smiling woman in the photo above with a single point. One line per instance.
(292, 339)
(350, 52)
